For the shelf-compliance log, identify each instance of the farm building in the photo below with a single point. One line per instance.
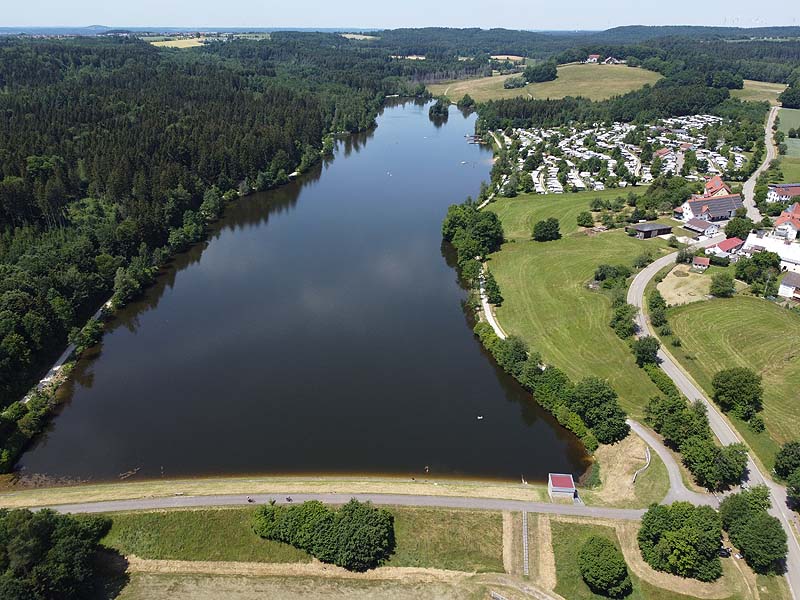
(714, 208)
(560, 485)
(726, 247)
(702, 227)
(790, 286)
(593, 58)
(649, 230)
(701, 263)
(783, 192)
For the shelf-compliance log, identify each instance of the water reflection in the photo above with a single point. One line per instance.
(319, 329)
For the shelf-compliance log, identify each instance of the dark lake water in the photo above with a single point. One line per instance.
(320, 329)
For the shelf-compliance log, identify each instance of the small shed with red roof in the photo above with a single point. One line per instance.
(561, 485)
(701, 263)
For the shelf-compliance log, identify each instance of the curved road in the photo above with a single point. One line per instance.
(749, 187)
(577, 510)
(719, 425)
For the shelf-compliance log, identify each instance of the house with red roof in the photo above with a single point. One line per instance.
(783, 192)
(701, 263)
(726, 248)
(593, 58)
(716, 187)
(788, 223)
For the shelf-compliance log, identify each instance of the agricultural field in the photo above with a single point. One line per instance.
(470, 541)
(748, 332)
(597, 82)
(547, 302)
(790, 119)
(759, 91)
(180, 43)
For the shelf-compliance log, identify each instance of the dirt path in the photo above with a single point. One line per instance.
(546, 565)
(508, 542)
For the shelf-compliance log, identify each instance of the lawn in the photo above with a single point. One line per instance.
(597, 82)
(759, 91)
(459, 540)
(790, 167)
(749, 332)
(569, 537)
(547, 302)
(790, 119)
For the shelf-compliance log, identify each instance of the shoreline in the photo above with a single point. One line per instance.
(169, 488)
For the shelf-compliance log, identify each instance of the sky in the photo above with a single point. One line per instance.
(512, 14)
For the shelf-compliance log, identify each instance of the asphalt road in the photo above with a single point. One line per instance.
(749, 187)
(719, 425)
(383, 499)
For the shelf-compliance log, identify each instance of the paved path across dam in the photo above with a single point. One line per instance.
(337, 498)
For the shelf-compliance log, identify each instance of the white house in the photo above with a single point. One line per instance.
(788, 223)
(784, 192)
(593, 58)
(790, 286)
(715, 208)
(788, 251)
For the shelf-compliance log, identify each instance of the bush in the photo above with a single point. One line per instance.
(662, 380)
(622, 320)
(603, 568)
(357, 536)
(585, 219)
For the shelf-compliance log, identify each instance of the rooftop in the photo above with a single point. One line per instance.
(791, 279)
(650, 226)
(561, 480)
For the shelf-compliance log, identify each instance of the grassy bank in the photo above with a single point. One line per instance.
(547, 302)
(458, 540)
(790, 167)
(316, 484)
(747, 332)
(596, 82)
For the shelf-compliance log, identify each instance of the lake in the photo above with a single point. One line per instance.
(320, 329)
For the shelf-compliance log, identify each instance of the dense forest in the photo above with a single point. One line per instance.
(115, 154)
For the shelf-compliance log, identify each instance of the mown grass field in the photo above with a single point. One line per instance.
(790, 167)
(597, 82)
(747, 332)
(470, 541)
(547, 302)
(759, 91)
(790, 119)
